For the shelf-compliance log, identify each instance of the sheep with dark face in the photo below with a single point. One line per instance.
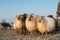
(30, 23)
(56, 27)
(50, 24)
(5, 25)
(18, 23)
(24, 16)
(51, 16)
(41, 24)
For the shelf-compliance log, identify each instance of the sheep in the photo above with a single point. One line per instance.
(51, 16)
(50, 24)
(30, 23)
(5, 25)
(56, 27)
(18, 23)
(40, 24)
(24, 16)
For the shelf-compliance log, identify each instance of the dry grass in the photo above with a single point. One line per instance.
(12, 35)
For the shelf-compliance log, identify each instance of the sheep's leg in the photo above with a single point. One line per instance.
(31, 33)
(46, 34)
(6, 28)
(2, 28)
(10, 28)
(34, 32)
(28, 32)
(42, 34)
(24, 31)
(20, 30)
(17, 31)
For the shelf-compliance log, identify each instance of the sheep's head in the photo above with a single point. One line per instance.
(30, 17)
(24, 16)
(51, 16)
(18, 17)
(40, 19)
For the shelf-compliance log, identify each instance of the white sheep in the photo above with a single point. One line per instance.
(50, 24)
(30, 23)
(18, 23)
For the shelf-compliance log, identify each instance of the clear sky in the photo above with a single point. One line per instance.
(10, 8)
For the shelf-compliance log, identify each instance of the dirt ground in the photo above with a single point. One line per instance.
(12, 35)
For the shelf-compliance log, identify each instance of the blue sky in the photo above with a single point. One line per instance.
(10, 8)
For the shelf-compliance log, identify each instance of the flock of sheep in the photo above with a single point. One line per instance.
(30, 23)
